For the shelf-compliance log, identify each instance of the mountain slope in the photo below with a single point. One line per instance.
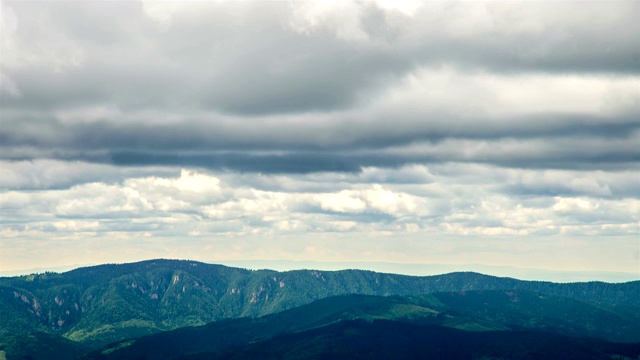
(39, 345)
(384, 339)
(317, 322)
(221, 335)
(522, 309)
(100, 304)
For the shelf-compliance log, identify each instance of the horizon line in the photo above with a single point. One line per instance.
(409, 269)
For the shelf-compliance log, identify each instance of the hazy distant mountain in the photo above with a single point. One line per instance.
(106, 303)
(432, 269)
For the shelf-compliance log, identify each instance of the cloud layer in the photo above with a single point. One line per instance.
(494, 133)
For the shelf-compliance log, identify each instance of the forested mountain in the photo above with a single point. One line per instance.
(399, 327)
(101, 304)
(383, 339)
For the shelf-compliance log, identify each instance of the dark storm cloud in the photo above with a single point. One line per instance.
(276, 87)
(340, 131)
(245, 145)
(290, 163)
(554, 158)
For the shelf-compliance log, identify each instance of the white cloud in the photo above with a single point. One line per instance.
(397, 204)
(199, 183)
(480, 94)
(451, 204)
(406, 7)
(344, 201)
(341, 18)
(76, 225)
(33, 40)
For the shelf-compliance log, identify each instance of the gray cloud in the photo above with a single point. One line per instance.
(530, 142)
(219, 85)
(250, 59)
(436, 132)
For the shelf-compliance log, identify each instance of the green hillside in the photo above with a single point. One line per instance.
(38, 345)
(521, 309)
(102, 304)
(279, 335)
(384, 339)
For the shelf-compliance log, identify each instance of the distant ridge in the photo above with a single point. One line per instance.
(439, 269)
(413, 269)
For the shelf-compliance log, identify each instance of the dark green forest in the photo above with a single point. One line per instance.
(83, 310)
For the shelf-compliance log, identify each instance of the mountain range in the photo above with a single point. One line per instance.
(123, 311)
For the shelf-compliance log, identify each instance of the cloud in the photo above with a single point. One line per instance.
(56, 174)
(195, 205)
(248, 58)
(442, 111)
(199, 197)
(404, 130)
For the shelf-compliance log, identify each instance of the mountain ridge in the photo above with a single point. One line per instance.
(412, 269)
(100, 304)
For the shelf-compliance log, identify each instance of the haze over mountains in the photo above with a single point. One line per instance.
(397, 268)
(97, 305)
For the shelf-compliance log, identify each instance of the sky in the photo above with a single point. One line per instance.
(494, 133)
